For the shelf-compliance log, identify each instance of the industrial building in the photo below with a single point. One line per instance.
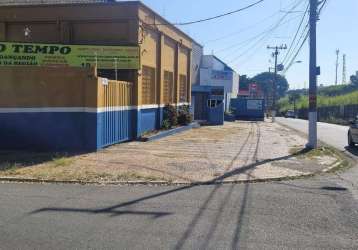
(214, 72)
(86, 75)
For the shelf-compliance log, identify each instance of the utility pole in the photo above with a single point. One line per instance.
(274, 94)
(337, 64)
(313, 72)
(344, 71)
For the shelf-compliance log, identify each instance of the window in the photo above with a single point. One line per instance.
(183, 91)
(169, 93)
(211, 103)
(148, 85)
(214, 103)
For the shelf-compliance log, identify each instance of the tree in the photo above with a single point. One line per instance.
(265, 81)
(293, 98)
(244, 82)
(354, 80)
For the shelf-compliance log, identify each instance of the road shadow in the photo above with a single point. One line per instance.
(352, 150)
(242, 214)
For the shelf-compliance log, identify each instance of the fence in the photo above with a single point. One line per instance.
(334, 114)
(117, 116)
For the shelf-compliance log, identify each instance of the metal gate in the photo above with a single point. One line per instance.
(200, 106)
(118, 112)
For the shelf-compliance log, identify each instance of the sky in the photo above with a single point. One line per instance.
(241, 39)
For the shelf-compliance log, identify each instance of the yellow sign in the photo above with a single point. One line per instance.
(105, 57)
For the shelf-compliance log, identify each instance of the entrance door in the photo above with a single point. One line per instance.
(200, 110)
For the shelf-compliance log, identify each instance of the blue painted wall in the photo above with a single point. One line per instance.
(243, 113)
(114, 127)
(75, 131)
(149, 119)
(45, 131)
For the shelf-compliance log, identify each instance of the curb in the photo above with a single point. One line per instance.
(170, 132)
(152, 183)
(353, 160)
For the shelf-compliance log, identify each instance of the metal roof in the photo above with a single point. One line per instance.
(37, 2)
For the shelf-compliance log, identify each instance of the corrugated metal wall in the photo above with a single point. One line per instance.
(116, 116)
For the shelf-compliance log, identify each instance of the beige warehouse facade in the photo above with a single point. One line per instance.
(164, 74)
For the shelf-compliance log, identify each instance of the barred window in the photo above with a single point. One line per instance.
(183, 88)
(169, 93)
(148, 85)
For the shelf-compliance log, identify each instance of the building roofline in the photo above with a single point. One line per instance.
(166, 22)
(227, 66)
(132, 3)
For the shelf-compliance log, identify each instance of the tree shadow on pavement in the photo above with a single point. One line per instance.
(113, 210)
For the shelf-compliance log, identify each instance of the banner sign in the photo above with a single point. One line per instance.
(221, 75)
(254, 105)
(105, 57)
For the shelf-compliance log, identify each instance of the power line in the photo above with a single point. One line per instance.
(253, 38)
(268, 33)
(297, 53)
(254, 25)
(323, 4)
(242, 30)
(214, 17)
(297, 45)
(298, 30)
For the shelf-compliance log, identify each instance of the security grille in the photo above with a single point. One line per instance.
(168, 87)
(148, 85)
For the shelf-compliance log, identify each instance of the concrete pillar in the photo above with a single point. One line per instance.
(2, 31)
(66, 32)
(160, 78)
(176, 74)
(190, 56)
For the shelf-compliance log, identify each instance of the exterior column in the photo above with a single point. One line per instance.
(189, 83)
(160, 79)
(2, 31)
(176, 75)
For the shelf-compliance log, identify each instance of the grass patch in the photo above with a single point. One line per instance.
(312, 153)
(340, 164)
(63, 161)
(9, 166)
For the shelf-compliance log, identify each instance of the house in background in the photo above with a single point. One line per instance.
(214, 72)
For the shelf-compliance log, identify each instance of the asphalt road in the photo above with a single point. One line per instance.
(334, 135)
(315, 213)
(301, 214)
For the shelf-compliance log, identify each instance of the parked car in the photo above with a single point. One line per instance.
(353, 133)
(290, 114)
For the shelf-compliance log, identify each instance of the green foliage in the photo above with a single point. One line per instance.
(174, 116)
(337, 90)
(184, 116)
(354, 80)
(265, 81)
(322, 101)
(171, 115)
(244, 82)
(293, 98)
(166, 124)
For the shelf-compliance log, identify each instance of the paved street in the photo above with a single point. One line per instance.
(315, 213)
(302, 214)
(334, 135)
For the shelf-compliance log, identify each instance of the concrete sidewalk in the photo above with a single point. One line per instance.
(237, 151)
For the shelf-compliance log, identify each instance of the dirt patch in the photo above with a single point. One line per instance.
(236, 151)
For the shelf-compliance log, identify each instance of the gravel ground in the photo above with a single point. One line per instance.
(235, 151)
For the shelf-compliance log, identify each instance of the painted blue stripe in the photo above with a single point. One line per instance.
(69, 131)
